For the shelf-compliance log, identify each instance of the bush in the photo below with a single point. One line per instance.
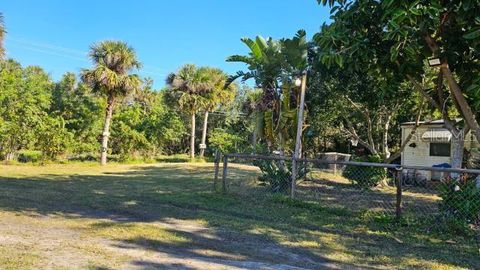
(84, 157)
(277, 175)
(54, 138)
(224, 141)
(366, 177)
(25, 156)
(461, 200)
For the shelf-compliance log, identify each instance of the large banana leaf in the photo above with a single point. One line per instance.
(255, 49)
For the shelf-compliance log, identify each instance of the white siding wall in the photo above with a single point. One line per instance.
(420, 155)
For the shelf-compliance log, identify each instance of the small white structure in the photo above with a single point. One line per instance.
(430, 146)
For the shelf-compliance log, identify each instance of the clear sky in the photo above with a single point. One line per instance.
(56, 34)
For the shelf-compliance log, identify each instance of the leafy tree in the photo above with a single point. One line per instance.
(79, 108)
(359, 116)
(234, 118)
(397, 37)
(225, 140)
(111, 78)
(164, 126)
(187, 88)
(128, 137)
(53, 138)
(25, 99)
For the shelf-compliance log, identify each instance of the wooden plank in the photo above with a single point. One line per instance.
(217, 168)
(224, 175)
(399, 184)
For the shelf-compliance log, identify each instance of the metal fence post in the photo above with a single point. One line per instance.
(399, 184)
(224, 175)
(217, 166)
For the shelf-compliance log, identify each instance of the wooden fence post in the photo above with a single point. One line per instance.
(399, 183)
(224, 175)
(217, 165)
(294, 177)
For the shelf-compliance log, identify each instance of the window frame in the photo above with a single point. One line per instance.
(430, 150)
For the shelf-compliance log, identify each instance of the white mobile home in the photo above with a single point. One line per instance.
(430, 146)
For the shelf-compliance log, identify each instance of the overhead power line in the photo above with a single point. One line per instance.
(55, 50)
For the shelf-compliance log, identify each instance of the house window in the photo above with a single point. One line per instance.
(439, 149)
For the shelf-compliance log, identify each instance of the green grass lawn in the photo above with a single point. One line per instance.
(84, 216)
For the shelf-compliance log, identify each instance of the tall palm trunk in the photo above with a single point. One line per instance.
(192, 138)
(204, 134)
(106, 130)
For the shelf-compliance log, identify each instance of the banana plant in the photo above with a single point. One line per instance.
(273, 64)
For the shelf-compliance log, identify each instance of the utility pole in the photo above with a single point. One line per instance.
(298, 141)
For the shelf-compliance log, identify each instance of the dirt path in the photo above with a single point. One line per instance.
(51, 242)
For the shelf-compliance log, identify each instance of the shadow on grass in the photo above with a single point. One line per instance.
(246, 230)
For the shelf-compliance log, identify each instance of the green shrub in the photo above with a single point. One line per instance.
(277, 175)
(84, 157)
(54, 138)
(224, 140)
(26, 156)
(364, 176)
(178, 158)
(461, 200)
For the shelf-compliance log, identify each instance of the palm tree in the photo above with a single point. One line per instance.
(188, 86)
(2, 36)
(219, 94)
(110, 77)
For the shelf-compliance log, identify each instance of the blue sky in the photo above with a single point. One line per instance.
(56, 34)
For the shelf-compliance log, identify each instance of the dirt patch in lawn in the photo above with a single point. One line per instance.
(55, 242)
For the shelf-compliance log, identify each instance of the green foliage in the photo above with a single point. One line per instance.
(24, 100)
(165, 129)
(277, 175)
(65, 119)
(111, 78)
(187, 88)
(397, 37)
(26, 156)
(127, 136)
(80, 110)
(363, 176)
(225, 141)
(461, 200)
(55, 138)
(274, 65)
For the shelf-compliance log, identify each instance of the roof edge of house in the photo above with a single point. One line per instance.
(429, 123)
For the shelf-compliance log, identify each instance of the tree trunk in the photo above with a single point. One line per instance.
(461, 102)
(386, 128)
(466, 110)
(204, 134)
(192, 138)
(106, 130)
(10, 156)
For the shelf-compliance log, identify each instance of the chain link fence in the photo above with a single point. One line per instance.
(422, 196)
